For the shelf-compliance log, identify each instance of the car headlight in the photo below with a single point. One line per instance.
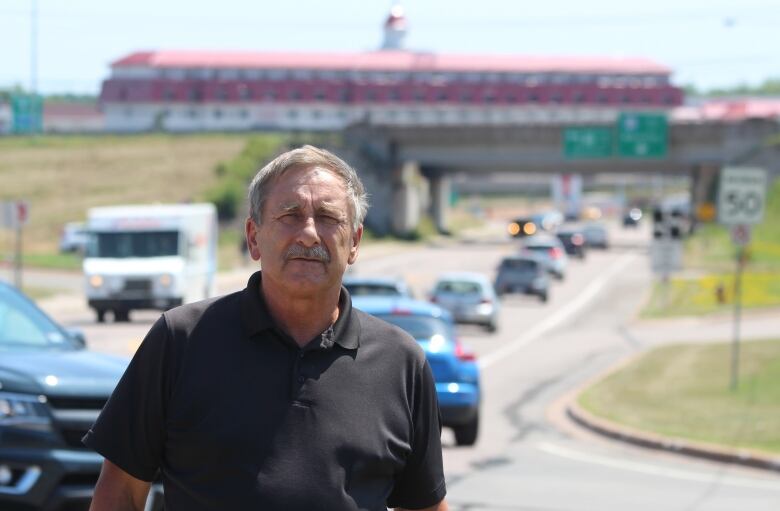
(166, 279)
(95, 280)
(24, 411)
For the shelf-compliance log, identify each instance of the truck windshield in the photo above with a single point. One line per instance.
(133, 244)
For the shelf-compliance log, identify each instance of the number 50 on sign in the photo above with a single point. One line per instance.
(741, 195)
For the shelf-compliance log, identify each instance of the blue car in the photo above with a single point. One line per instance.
(51, 390)
(454, 369)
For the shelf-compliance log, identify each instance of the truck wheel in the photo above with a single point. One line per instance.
(467, 433)
(122, 316)
(101, 315)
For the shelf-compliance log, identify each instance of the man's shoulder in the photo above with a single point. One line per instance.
(221, 308)
(378, 333)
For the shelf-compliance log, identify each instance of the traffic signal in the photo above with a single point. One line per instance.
(659, 223)
(668, 225)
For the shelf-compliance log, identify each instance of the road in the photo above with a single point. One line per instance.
(529, 456)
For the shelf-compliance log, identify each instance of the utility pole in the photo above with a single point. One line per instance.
(34, 47)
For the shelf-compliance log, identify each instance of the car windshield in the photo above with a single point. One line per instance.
(23, 325)
(371, 289)
(539, 248)
(520, 264)
(419, 327)
(133, 244)
(458, 287)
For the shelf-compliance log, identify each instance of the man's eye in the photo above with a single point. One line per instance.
(331, 220)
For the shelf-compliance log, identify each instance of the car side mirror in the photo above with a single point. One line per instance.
(77, 336)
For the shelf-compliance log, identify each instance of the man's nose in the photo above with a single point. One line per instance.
(308, 234)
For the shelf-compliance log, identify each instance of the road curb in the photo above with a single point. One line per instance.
(711, 452)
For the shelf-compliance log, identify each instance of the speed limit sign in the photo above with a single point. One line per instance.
(741, 195)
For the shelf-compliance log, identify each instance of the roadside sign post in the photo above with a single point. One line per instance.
(14, 216)
(741, 197)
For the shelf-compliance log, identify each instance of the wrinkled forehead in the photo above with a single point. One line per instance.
(306, 183)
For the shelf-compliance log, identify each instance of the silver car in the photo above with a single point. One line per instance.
(376, 286)
(550, 250)
(469, 297)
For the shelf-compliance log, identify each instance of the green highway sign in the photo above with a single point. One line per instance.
(642, 135)
(587, 142)
(27, 113)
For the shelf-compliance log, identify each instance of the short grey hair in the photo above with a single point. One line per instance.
(308, 156)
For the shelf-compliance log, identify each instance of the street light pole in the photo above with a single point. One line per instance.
(34, 46)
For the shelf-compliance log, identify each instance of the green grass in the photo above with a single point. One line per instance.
(697, 296)
(683, 391)
(48, 260)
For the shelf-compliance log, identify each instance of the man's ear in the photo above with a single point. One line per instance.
(250, 231)
(353, 250)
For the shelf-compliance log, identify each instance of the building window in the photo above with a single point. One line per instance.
(243, 113)
(220, 94)
(294, 95)
(579, 97)
(192, 113)
(195, 94)
(244, 92)
(370, 95)
(441, 95)
(319, 95)
(393, 95)
(269, 95)
(533, 97)
(466, 96)
(217, 113)
(292, 114)
(122, 94)
(419, 96)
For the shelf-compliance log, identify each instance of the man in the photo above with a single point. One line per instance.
(280, 396)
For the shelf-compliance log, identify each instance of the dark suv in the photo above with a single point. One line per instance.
(523, 274)
(51, 390)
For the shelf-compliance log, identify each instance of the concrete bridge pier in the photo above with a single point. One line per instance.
(441, 186)
(408, 198)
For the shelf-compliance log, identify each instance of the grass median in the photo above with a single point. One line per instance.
(683, 391)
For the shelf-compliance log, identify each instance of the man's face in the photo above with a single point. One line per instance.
(305, 240)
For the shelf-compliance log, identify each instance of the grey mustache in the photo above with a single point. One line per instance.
(316, 252)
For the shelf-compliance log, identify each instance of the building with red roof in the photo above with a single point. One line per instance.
(221, 90)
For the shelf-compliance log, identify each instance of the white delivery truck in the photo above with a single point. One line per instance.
(149, 257)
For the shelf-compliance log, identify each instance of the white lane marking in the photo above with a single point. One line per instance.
(656, 470)
(558, 316)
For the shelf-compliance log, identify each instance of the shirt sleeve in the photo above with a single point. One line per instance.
(130, 430)
(421, 483)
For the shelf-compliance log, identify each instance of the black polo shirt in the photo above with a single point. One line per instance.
(236, 416)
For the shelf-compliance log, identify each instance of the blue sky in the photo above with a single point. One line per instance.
(708, 43)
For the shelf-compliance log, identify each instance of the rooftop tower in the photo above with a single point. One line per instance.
(395, 29)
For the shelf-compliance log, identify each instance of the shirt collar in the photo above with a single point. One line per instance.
(255, 316)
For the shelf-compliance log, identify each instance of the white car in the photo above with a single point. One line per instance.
(469, 297)
(74, 237)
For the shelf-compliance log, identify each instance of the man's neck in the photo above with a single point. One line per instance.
(302, 318)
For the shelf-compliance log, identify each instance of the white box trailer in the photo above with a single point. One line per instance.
(149, 257)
